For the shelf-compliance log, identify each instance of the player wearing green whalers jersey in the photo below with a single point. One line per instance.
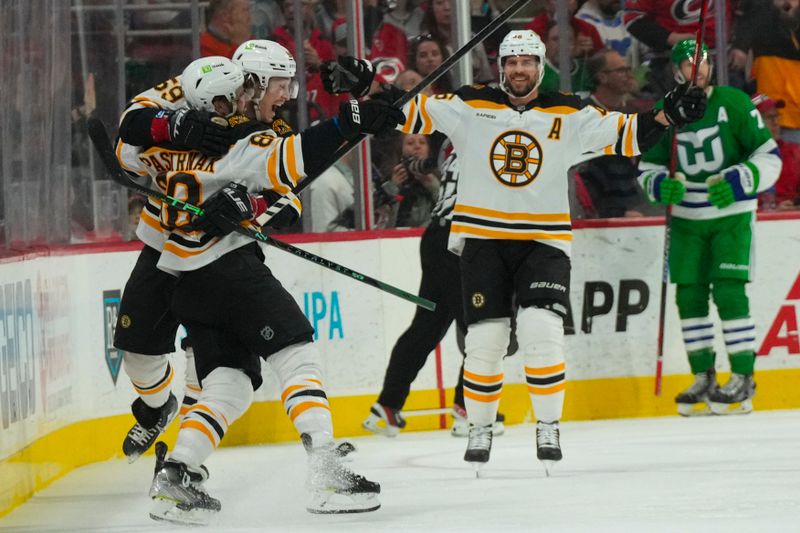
(723, 161)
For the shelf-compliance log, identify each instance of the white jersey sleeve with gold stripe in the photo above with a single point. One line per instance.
(259, 161)
(165, 95)
(514, 160)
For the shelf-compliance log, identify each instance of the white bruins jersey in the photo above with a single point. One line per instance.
(259, 161)
(166, 95)
(514, 162)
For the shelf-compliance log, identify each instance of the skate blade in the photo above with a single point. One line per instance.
(478, 468)
(133, 457)
(694, 409)
(167, 510)
(373, 427)
(338, 503)
(548, 466)
(737, 408)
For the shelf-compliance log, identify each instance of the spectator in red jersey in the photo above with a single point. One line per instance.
(786, 193)
(229, 25)
(316, 49)
(587, 40)
(400, 23)
(660, 24)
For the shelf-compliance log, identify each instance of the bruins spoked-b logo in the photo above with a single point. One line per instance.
(515, 158)
(478, 300)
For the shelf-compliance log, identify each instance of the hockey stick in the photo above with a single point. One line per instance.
(410, 95)
(101, 141)
(673, 166)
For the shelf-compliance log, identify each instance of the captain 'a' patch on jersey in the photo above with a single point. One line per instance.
(259, 161)
(514, 160)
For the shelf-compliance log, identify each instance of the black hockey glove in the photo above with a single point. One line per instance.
(684, 104)
(225, 210)
(389, 94)
(347, 74)
(369, 116)
(199, 130)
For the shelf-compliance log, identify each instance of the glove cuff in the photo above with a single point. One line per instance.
(159, 128)
(258, 205)
(652, 185)
(743, 181)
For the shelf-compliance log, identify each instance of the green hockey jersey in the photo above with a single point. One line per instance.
(730, 133)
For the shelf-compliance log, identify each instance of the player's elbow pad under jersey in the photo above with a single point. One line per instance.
(136, 127)
(649, 130)
(319, 144)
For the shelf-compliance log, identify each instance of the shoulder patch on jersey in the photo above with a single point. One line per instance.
(481, 92)
(281, 127)
(560, 99)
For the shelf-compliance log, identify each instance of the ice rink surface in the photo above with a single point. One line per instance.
(736, 473)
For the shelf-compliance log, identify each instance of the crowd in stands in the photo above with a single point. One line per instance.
(619, 59)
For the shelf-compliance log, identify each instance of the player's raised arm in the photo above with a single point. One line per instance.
(613, 133)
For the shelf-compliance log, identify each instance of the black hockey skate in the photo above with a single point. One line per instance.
(735, 397)
(150, 423)
(479, 446)
(334, 488)
(694, 400)
(384, 420)
(179, 499)
(199, 476)
(461, 424)
(548, 445)
(345, 449)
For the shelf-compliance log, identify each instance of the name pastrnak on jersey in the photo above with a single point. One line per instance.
(167, 95)
(259, 161)
(514, 160)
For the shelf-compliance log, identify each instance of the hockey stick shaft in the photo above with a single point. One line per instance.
(410, 95)
(101, 141)
(673, 166)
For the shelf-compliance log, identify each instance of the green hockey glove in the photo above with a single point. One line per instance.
(661, 189)
(733, 184)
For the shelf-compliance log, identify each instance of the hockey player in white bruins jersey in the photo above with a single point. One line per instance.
(234, 310)
(146, 327)
(511, 221)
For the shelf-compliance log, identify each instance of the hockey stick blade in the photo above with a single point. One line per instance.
(102, 143)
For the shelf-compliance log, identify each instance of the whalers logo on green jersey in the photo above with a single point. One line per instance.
(700, 151)
(515, 158)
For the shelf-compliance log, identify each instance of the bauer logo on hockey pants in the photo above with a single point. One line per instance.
(515, 158)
